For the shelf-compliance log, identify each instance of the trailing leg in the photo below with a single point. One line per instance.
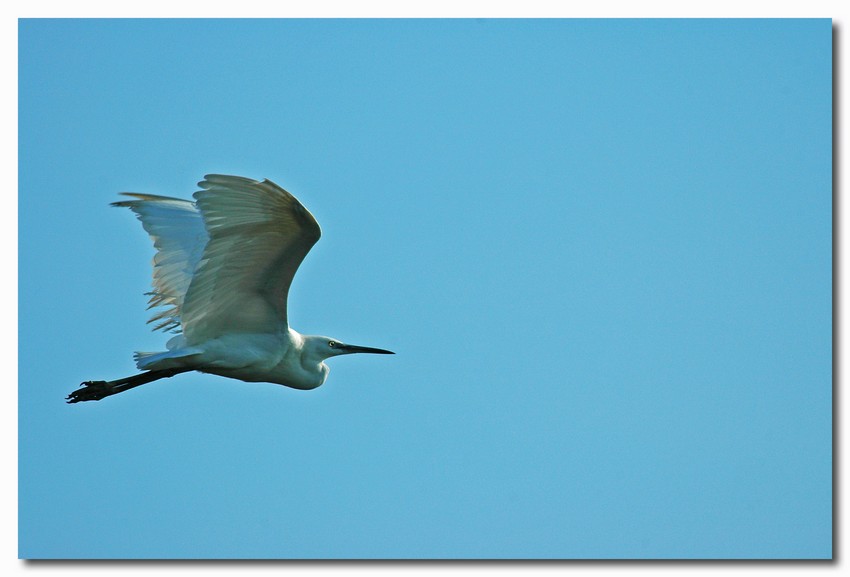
(96, 390)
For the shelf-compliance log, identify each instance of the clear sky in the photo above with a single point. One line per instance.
(600, 249)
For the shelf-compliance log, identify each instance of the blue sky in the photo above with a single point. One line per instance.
(601, 250)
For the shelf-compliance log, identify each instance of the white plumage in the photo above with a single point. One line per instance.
(221, 276)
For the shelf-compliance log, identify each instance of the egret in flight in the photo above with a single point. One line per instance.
(221, 276)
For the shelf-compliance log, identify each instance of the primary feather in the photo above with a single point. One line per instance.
(258, 236)
(179, 236)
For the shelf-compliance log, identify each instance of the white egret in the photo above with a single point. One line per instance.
(221, 274)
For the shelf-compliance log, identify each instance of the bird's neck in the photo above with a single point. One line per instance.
(308, 347)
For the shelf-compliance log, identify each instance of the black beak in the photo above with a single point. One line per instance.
(348, 349)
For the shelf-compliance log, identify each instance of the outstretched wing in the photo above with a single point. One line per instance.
(258, 236)
(179, 236)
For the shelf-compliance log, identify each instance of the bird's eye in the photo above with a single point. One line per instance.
(331, 344)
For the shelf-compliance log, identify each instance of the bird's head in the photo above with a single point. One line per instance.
(322, 348)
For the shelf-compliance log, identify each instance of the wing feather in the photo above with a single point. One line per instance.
(258, 236)
(179, 236)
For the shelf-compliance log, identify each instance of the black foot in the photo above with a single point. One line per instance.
(91, 391)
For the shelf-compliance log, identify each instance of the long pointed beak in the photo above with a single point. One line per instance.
(348, 349)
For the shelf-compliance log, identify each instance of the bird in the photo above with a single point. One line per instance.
(221, 276)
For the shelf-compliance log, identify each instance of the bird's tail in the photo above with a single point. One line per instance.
(164, 360)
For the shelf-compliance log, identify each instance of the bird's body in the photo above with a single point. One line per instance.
(270, 358)
(222, 272)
